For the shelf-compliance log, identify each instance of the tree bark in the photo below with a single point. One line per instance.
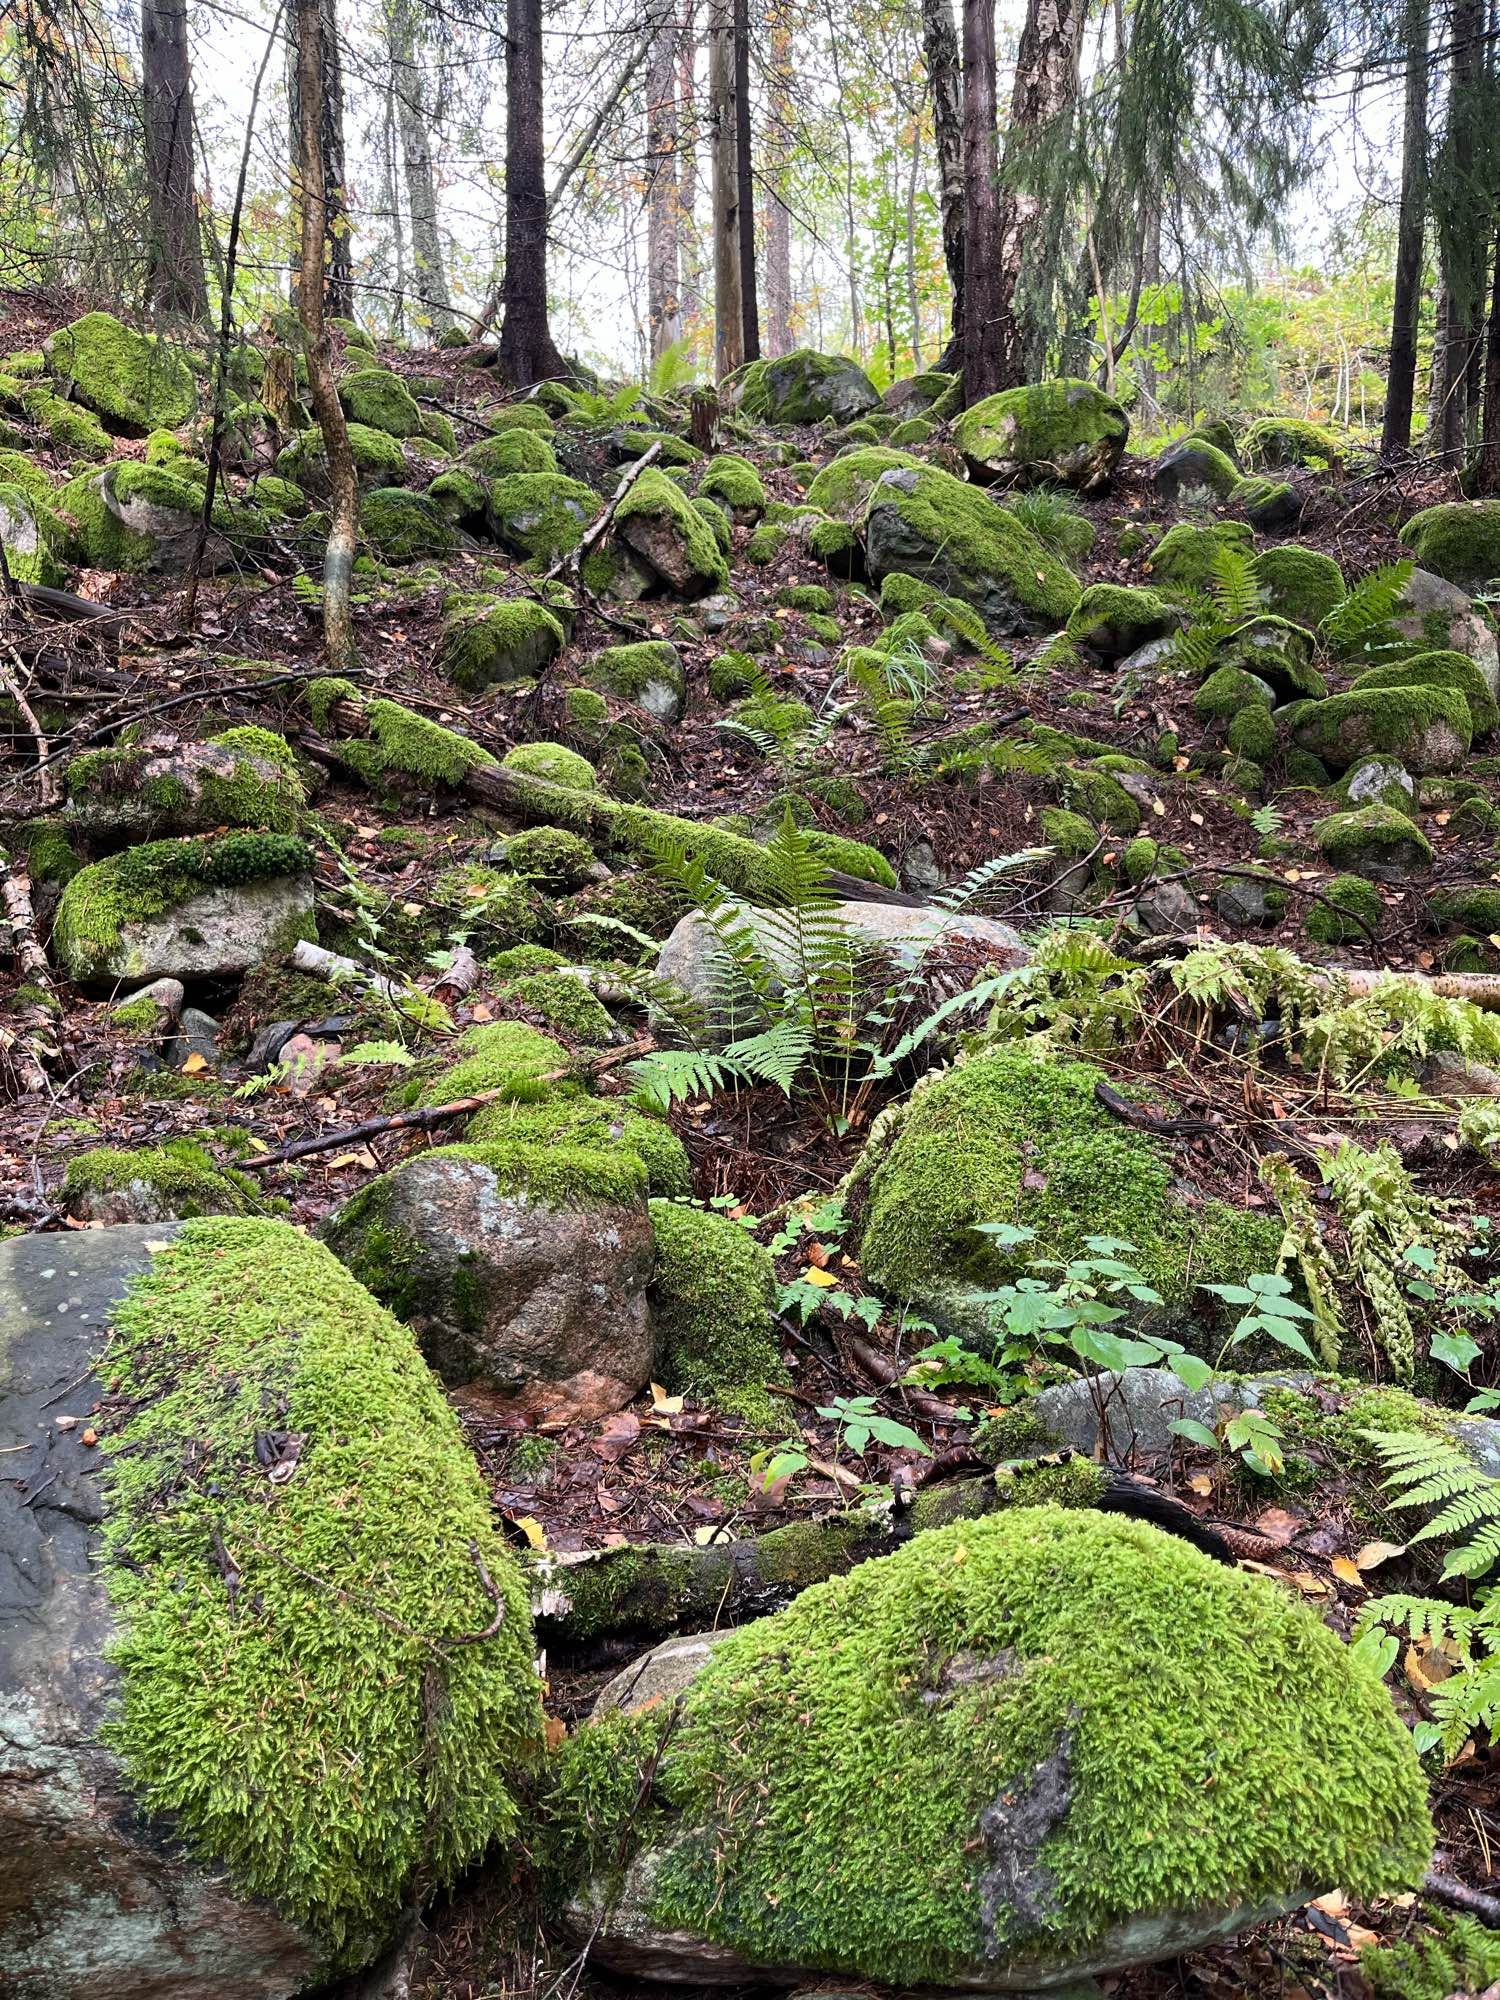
(313, 209)
(1463, 240)
(984, 299)
(778, 218)
(729, 310)
(940, 48)
(338, 267)
(689, 246)
(744, 163)
(1046, 85)
(1487, 473)
(421, 191)
(1401, 377)
(527, 353)
(663, 299)
(175, 282)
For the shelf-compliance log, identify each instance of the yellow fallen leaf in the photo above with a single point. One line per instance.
(1202, 1484)
(1310, 1584)
(1347, 1572)
(1158, 808)
(711, 1532)
(1196, 818)
(663, 1404)
(1373, 1554)
(532, 1529)
(363, 1158)
(813, 1276)
(195, 1064)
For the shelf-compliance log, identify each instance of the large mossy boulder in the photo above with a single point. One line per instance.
(540, 515)
(378, 459)
(32, 535)
(1437, 616)
(521, 1266)
(135, 381)
(487, 641)
(1428, 729)
(843, 488)
(1020, 1751)
(1194, 473)
(138, 518)
(185, 909)
(1458, 540)
(1063, 433)
(379, 399)
(661, 529)
(1302, 585)
(1276, 443)
(405, 527)
(649, 673)
(1444, 669)
(1111, 620)
(1008, 1137)
(1185, 559)
(804, 388)
(246, 1713)
(1377, 841)
(927, 524)
(513, 450)
(243, 777)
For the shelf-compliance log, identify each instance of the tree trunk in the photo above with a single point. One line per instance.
(663, 300)
(338, 258)
(984, 300)
(1464, 239)
(744, 165)
(913, 297)
(689, 247)
(729, 310)
(778, 217)
(1401, 377)
(174, 254)
(1487, 474)
(527, 353)
(313, 210)
(1046, 85)
(431, 275)
(940, 48)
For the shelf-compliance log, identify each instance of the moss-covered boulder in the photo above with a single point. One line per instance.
(135, 381)
(185, 909)
(172, 1182)
(1271, 505)
(1441, 670)
(33, 536)
(1349, 913)
(1064, 433)
(711, 1298)
(1278, 442)
(489, 641)
(378, 459)
(540, 515)
(1193, 473)
(662, 530)
(1184, 559)
(1111, 620)
(735, 482)
(1019, 1751)
(555, 763)
(138, 518)
(508, 451)
(1428, 729)
(380, 400)
(196, 1666)
(843, 488)
(1008, 1137)
(522, 1267)
(950, 534)
(1376, 841)
(1458, 540)
(405, 527)
(1302, 585)
(461, 497)
(243, 777)
(803, 388)
(648, 673)
(1437, 616)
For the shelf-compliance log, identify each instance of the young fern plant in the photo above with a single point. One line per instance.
(1362, 625)
(1235, 598)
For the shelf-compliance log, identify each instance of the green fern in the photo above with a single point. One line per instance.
(1363, 623)
(1304, 1246)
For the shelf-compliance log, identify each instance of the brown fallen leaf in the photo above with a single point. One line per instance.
(619, 1434)
(555, 1731)
(1347, 1572)
(1278, 1525)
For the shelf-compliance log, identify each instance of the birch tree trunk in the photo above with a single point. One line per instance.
(174, 253)
(429, 271)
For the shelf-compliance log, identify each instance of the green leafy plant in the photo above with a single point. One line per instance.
(1362, 625)
(1234, 599)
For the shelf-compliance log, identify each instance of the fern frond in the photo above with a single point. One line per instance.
(1237, 590)
(1363, 622)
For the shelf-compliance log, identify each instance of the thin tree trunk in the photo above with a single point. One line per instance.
(744, 164)
(1463, 247)
(527, 352)
(663, 299)
(940, 48)
(1401, 377)
(984, 300)
(313, 206)
(388, 145)
(729, 310)
(1046, 85)
(690, 248)
(338, 260)
(1487, 473)
(421, 190)
(174, 255)
(913, 299)
(778, 217)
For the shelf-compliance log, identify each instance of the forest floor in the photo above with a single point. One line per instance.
(664, 1471)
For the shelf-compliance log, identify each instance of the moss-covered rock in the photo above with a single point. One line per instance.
(1275, 442)
(843, 488)
(490, 641)
(1458, 540)
(1007, 1137)
(569, 1118)
(661, 529)
(1303, 585)
(461, 497)
(286, 1621)
(1270, 505)
(1427, 729)
(1112, 619)
(711, 1299)
(1438, 670)
(380, 400)
(513, 450)
(928, 524)
(648, 673)
(1352, 898)
(405, 527)
(735, 481)
(1183, 560)
(33, 537)
(378, 459)
(1228, 690)
(1194, 473)
(1067, 433)
(243, 777)
(803, 388)
(944, 1747)
(134, 380)
(135, 517)
(1375, 841)
(540, 515)
(170, 1182)
(555, 763)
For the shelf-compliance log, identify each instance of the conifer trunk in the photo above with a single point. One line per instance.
(944, 84)
(729, 322)
(778, 219)
(175, 282)
(421, 189)
(663, 300)
(527, 351)
(1406, 305)
(984, 298)
(745, 182)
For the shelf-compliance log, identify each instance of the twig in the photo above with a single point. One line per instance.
(46, 774)
(1459, 1896)
(436, 1114)
(492, 1593)
(597, 530)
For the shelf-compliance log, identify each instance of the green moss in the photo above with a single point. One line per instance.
(843, 488)
(1094, 792)
(711, 1303)
(1252, 734)
(1351, 893)
(1184, 558)
(378, 458)
(1114, 619)
(1389, 720)
(459, 497)
(914, 431)
(134, 379)
(1226, 691)
(1140, 859)
(735, 481)
(147, 881)
(520, 417)
(1010, 1138)
(628, 671)
(836, 544)
(404, 741)
(183, 1177)
(381, 401)
(1471, 906)
(571, 1119)
(489, 640)
(244, 1714)
(16, 469)
(100, 537)
(814, 597)
(765, 545)
(323, 692)
(730, 675)
(654, 498)
(1062, 430)
(1280, 441)
(501, 1055)
(555, 763)
(76, 432)
(1010, 1434)
(542, 515)
(511, 451)
(1438, 670)
(405, 527)
(1195, 1734)
(1458, 539)
(1302, 584)
(550, 854)
(565, 1004)
(1374, 840)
